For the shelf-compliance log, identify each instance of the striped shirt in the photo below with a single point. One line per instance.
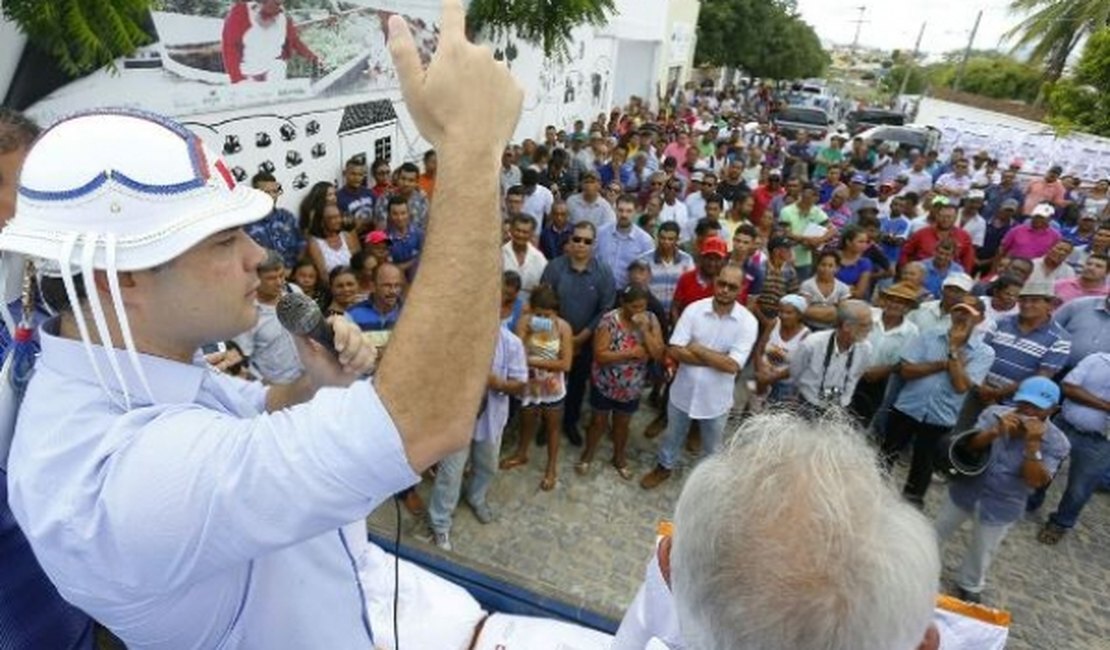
(1019, 355)
(664, 275)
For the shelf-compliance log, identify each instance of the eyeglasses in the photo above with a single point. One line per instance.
(732, 286)
(582, 240)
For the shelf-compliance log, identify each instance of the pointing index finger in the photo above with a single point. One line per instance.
(452, 20)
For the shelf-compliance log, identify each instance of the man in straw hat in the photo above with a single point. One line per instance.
(186, 509)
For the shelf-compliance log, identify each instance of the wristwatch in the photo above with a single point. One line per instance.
(1036, 455)
(953, 356)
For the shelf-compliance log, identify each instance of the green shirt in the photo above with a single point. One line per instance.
(826, 157)
(796, 224)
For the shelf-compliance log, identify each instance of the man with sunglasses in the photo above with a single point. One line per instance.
(586, 291)
(711, 342)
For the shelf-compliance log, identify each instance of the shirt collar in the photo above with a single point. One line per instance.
(708, 309)
(171, 381)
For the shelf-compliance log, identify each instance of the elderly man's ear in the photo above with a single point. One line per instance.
(931, 640)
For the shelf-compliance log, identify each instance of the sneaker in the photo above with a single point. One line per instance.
(442, 541)
(652, 479)
(483, 513)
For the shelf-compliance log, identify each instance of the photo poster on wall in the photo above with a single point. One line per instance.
(230, 54)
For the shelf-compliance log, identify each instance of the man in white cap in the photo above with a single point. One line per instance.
(186, 509)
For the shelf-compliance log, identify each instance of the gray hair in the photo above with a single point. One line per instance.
(273, 262)
(852, 311)
(793, 538)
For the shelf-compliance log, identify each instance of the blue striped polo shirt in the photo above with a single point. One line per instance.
(1018, 355)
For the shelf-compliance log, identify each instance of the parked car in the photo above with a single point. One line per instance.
(911, 136)
(866, 118)
(792, 119)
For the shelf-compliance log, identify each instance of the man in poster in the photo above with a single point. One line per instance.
(258, 39)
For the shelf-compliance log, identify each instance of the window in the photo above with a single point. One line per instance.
(383, 148)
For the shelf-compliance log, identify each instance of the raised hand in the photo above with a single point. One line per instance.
(464, 95)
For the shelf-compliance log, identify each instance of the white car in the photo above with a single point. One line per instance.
(912, 136)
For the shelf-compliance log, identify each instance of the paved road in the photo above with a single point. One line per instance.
(588, 541)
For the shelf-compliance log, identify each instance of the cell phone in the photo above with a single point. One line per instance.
(211, 348)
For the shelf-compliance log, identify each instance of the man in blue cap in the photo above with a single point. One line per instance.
(1025, 450)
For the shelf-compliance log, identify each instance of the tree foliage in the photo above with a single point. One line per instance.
(82, 35)
(1055, 27)
(547, 24)
(1083, 102)
(994, 75)
(766, 38)
(997, 77)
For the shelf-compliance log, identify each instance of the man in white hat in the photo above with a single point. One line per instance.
(186, 509)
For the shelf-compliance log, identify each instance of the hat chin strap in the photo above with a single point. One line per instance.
(66, 254)
(121, 315)
(88, 254)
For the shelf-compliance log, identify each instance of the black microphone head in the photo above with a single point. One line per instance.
(299, 314)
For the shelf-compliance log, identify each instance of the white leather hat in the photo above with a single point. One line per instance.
(138, 183)
(120, 190)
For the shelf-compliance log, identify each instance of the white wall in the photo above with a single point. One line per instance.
(1009, 137)
(635, 70)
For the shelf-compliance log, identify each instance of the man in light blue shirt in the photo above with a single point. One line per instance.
(1085, 419)
(620, 243)
(1025, 450)
(939, 368)
(187, 509)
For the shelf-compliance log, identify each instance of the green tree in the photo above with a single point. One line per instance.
(547, 24)
(81, 35)
(1083, 102)
(766, 38)
(918, 82)
(1054, 27)
(1001, 77)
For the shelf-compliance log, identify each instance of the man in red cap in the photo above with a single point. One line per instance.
(698, 284)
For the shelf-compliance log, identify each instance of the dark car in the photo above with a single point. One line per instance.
(864, 119)
(792, 119)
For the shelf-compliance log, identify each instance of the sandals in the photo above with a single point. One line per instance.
(582, 467)
(512, 461)
(547, 484)
(624, 472)
(1051, 534)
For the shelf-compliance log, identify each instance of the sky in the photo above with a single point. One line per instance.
(895, 23)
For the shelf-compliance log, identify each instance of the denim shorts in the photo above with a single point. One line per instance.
(599, 402)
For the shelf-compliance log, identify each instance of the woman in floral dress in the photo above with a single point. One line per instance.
(626, 339)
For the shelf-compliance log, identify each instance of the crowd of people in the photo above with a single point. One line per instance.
(694, 259)
(708, 266)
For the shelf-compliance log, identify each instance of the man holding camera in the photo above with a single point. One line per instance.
(828, 364)
(1025, 450)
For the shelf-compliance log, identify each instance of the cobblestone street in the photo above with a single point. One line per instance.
(587, 542)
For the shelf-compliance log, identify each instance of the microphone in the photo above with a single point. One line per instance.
(301, 316)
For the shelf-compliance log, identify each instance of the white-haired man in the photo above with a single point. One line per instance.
(186, 509)
(828, 365)
(819, 554)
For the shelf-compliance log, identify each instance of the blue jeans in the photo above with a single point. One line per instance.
(449, 478)
(678, 425)
(1090, 461)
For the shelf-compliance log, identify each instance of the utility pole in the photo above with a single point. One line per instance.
(913, 60)
(967, 51)
(859, 23)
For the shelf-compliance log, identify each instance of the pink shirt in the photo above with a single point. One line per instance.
(1039, 191)
(1024, 241)
(1070, 289)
